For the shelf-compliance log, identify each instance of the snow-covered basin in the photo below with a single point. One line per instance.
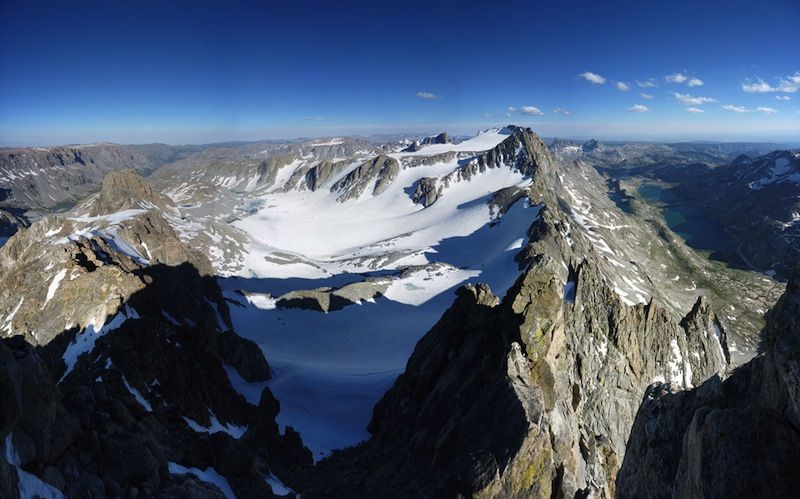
(317, 227)
(329, 369)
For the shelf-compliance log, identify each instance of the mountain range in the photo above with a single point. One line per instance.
(416, 317)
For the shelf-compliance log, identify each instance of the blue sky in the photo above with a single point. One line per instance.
(194, 72)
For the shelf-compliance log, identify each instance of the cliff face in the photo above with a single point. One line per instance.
(737, 437)
(533, 395)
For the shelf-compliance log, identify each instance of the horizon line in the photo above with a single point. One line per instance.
(405, 131)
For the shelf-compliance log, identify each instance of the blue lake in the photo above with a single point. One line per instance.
(700, 231)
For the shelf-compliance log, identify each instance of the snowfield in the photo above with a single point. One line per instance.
(329, 369)
(331, 236)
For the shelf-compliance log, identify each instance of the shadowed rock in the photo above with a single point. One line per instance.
(733, 437)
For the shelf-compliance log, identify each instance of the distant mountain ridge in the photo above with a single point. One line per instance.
(757, 200)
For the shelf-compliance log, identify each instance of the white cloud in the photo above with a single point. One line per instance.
(688, 100)
(621, 85)
(649, 83)
(695, 82)
(694, 110)
(676, 78)
(592, 77)
(558, 110)
(766, 110)
(783, 97)
(638, 108)
(735, 109)
(313, 118)
(760, 87)
(529, 110)
(646, 96)
(427, 95)
(789, 85)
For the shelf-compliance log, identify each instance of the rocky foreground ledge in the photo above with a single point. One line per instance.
(733, 437)
(120, 375)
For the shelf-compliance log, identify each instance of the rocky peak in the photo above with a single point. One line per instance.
(442, 138)
(590, 146)
(77, 272)
(147, 395)
(522, 151)
(123, 190)
(533, 396)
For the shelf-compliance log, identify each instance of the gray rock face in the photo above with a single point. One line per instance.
(427, 191)
(314, 177)
(523, 151)
(76, 272)
(248, 167)
(378, 172)
(736, 437)
(320, 174)
(123, 190)
(10, 221)
(415, 146)
(330, 300)
(503, 199)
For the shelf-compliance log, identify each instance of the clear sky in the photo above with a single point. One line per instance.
(197, 72)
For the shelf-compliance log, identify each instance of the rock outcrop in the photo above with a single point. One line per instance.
(79, 271)
(123, 190)
(314, 177)
(10, 221)
(415, 146)
(427, 191)
(377, 172)
(119, 372)
(330, 300)
(732, 437)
